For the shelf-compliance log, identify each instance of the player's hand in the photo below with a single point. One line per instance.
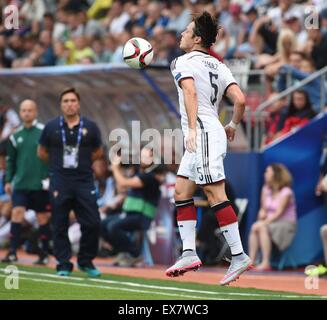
(8, 188)
(230, 133)
(190, 141)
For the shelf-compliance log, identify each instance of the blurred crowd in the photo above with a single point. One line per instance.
(287, 39)
(64, 32)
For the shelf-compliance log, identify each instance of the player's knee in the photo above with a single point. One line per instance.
(180, 195)
(214, 195)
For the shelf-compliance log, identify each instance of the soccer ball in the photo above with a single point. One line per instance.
(137, 53)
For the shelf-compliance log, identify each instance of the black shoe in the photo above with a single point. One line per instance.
(10, 258)
(42, 260)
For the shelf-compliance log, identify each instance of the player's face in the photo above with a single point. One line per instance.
(70, 105)
(187, 40)
(28, 112)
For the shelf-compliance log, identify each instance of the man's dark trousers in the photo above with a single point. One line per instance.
(74, 194)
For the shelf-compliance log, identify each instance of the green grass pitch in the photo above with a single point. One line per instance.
(42, 283)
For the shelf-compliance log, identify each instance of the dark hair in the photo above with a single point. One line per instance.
(206, 27)
(70, 90)
(292, 109)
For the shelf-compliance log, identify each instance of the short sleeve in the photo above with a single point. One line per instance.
(180, 70)
(226, 78)
(285, 192)
(44, 140)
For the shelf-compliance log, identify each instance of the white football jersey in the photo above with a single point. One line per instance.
(211, 78)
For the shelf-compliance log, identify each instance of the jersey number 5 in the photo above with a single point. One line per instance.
(214, 85)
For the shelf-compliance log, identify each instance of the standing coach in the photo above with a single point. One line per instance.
(70, 143)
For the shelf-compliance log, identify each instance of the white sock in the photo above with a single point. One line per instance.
(187, 233)
(232, 236)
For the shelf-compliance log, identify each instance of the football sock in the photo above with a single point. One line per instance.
(15, 233)
(186, 220)
(228, 224)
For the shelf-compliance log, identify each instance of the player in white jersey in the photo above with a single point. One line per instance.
(201, 81)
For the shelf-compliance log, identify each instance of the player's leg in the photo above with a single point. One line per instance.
(186, 221)
(228, 223)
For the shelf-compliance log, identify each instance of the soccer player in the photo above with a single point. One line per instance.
(201, 82)
(25, 174)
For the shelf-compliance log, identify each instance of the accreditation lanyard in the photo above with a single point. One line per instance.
(70, 153)
(63, 133)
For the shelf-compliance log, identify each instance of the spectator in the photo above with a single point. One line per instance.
(299, 113)
(79, 49)
(286, 44)
(276, 118)
(32, 10)
(139, 207)
(293, 21)
(61, 53)
(306, 68)
(116, 19)
(276, 223)
(171, 44)
(9, 122)
(235, 29)
(316, 47)
(179, 17)
(48, 57)
(104, 183)
(70, 154)
(25, 175)
(263, 36)
(153, 18)
(250, 16)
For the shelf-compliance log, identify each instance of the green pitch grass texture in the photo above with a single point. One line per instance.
(42, 284)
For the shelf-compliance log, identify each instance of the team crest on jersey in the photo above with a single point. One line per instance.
(20, 140)
(84, 131)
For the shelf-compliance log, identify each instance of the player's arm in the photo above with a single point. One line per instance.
(235, 94)
(191, 107)
(43, 153)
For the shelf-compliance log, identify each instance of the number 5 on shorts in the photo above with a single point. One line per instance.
(198, 169)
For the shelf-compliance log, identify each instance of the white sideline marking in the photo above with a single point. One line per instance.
(115, 288)
(133, 284)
